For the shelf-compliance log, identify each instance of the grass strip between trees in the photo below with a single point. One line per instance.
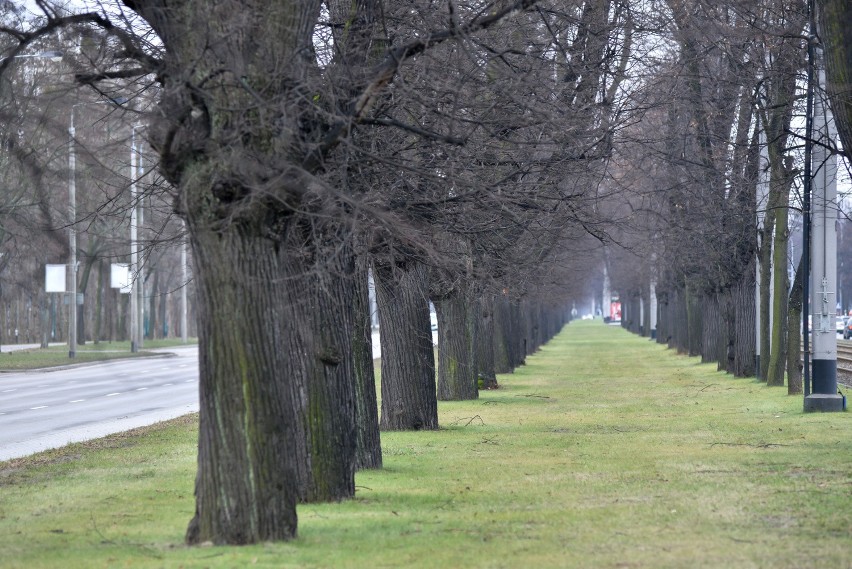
(606, 450)
(57, 355)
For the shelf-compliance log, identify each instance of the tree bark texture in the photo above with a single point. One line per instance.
(520, 334)
(456, 373)
(765, 308)
(711, 329)
(276, 425)
(484, 345)
(663, 317)
(247, 483)
(409, 400)
(794, 336)
(728, 332)
(695, 316)
(677, 321)
(319, 322)
(745, 342)
(836, 35)
(368, 448)
(778, 338)
(502, 336)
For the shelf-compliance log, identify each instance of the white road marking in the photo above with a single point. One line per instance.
(165, 384)
(189, 381)
(7, 391)
(111, 394)
(77, 401)
(142, 389)
(39, 407)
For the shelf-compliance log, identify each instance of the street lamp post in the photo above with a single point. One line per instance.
(72, 222)
(134, 315)
(72, 239)
(184, 334)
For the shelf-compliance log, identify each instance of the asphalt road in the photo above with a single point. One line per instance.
(47, 409)
(41, 410)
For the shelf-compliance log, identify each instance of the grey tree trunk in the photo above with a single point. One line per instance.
(456, 373)
(745, 343)
(794, 337)
(276, 426)
(320, 307)
(409, 400)
(836, 35)
(484, 346)
(368, 448)
(502, 336)
(247, 483)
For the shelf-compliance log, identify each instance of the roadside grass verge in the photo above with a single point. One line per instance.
(55, 356)
(606, 450)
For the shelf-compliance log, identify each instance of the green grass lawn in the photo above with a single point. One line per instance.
(606, 450)
(56, 356)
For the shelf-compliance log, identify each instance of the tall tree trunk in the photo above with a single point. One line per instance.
(368, 449)
(745, 341)
(247, 483)
(409, 400)
(321, 308)
(502, 335)
(836, 35)
(794, 338)
(163, 311)
(485, 342)
(777, 357)
(153, 289)
(520, 333)
(765, 254)
(663, 333)
(276, 425)
(695, 322)
(99, 302)
(711, 328)
(456, 374)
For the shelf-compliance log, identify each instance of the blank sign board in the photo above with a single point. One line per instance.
(120, 277)
(54, 278)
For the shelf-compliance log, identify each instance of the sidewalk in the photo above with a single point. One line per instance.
(16, 347)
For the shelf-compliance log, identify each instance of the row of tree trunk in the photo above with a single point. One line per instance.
(718, 327)
(294, 424)
(479, 336)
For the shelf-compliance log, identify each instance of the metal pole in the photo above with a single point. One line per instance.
(184, 333)
(140, 335)
(824, 395)
(806, 209)
(134, 314)
(72, 240)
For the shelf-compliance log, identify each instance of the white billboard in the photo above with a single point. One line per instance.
(120, 277)
(54, 278)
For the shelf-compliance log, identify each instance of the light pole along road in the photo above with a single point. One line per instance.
(40, 410)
